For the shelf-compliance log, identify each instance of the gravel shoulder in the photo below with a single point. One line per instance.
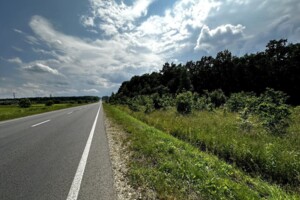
(120, 156)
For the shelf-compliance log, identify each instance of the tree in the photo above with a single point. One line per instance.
(24, 103)
(184, 103)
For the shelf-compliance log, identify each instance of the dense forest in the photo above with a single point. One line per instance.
(277, 67)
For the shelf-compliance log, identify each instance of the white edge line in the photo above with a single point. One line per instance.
(41, 123)
(75, 187)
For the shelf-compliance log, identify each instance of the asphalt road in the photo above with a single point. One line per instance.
(56, 155)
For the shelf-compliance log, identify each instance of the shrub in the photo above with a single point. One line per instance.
(238, 101)
(134, 104)
(275, 118)
(57, 102)
(216, 97)
(24, 103)
(49, 103)
(245, 124)
(272, 111)
(200, 103)
(149, 108)
(184, 103)
(162, 102)
(134, 107)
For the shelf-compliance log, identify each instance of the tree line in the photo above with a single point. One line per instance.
(277, 67)
(54, 100)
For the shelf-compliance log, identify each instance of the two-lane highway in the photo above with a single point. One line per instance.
(58, 155)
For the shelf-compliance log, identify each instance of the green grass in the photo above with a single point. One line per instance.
(176, 169)
(276, 159)
(14, 111)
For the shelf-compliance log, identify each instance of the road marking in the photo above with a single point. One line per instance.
(41, 123)
(69, 113)
(75, 187)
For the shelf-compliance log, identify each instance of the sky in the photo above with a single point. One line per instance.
(89, 47)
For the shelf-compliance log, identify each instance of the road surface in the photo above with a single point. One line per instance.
(58, 155)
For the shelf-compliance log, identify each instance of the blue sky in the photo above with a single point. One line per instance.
(89, 47)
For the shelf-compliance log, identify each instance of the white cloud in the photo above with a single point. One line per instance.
(18, 31)
(91, 90)
(222, 36)
(112, 14)
(80, 59)
(17, 49)
(15, 60)
(41, 68)
(131, 41)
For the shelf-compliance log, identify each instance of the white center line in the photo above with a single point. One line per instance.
(75, 187)
(41, 123)
(70, 113)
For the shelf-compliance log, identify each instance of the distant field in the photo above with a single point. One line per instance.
(175, 167)
(14, 111)
(274, 158)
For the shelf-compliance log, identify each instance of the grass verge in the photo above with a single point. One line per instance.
(14, 111)
(274, 158)
(177, 170)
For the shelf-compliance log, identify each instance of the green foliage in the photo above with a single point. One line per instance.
(245, 124)
(184, 103)
(175, 169)
(239, 101)
(275, 118)
(221, 135)
(201, 103)
(216, 97)
(270, 107)
(274, 97)
(274, 114)
(162, 102)
(24, 103)
(277, 67)
(49, 103)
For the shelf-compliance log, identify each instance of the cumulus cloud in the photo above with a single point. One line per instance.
(222, 36)
(128, 40)
(41, 68)
(115, 16)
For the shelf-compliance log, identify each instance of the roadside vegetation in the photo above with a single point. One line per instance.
(244, 110)
(176, 168)
(16, 108)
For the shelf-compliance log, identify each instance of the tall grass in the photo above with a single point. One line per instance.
(177, 170)
(274, 158)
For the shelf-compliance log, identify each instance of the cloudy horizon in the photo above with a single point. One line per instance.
(89, 47)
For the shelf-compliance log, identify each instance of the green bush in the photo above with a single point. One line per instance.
(24, 103)
(162, 102)
(216, 97)
(49, 103)
(238, 101)
(184, 103)
(272, 111)
(275, 118)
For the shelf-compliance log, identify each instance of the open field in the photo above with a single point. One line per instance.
(178, 169)
(14, 111)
